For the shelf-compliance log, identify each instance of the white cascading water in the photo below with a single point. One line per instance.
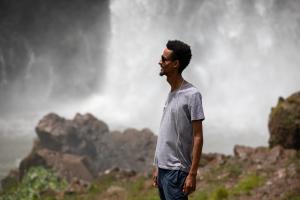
(245, 55)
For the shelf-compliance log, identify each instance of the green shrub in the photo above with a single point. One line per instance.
(199, 195)
(219, 194)
(36, 181)
(247, 184)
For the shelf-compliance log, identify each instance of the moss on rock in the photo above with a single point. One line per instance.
(284, 123)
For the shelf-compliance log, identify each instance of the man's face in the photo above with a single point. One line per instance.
(166, 63)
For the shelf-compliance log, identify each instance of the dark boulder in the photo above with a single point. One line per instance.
(84, 148)
(284, 123)
(68, 166)
(136, 147)
(78, 136)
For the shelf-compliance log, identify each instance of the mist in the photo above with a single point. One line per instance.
(244, 58)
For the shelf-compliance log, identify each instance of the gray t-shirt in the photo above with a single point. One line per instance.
(175, 139)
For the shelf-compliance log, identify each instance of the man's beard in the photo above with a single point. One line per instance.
(161, 73)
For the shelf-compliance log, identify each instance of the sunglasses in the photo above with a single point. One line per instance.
(164, 59)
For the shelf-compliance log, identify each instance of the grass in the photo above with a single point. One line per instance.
(219, 174)
(134, 189)
(199, 195)
(247, 184)
(220, 194)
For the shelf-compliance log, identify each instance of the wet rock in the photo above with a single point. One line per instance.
(284, 123)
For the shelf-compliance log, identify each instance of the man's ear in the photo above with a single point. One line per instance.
(176, 64)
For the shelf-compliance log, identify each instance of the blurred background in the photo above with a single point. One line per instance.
(101, 57)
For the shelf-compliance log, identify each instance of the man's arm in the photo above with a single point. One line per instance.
(190, 182)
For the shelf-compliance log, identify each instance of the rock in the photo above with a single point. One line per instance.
(259, 155)
(33, 159)
(77, 186)
(126, 174)
(78, 136)
(212, 159)
(115, 192)
(275, 154)
(284, 123)
(135, 147)
(11, 180)
(66, 165)
(242, 152)
(112, 170)
(290, 153)
(281, 173)
(84, 148)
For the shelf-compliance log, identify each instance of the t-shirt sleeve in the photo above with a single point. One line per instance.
(196, 108)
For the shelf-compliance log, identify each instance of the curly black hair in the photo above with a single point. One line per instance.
(181, 52)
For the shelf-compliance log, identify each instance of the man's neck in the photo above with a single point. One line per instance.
(175, 81)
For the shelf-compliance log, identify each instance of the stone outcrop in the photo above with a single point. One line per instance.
(84, 147)
(263, 155)
(284, 122)
(67, 165)
(277, 167)
(78, 136)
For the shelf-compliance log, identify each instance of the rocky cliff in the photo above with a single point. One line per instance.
(284, 122)
(84, 147)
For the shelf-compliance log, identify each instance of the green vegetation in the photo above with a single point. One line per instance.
(36, 184)
(199, 195)
(102, 183)
(295, 198)
(220, 173)
(247, 184)
(219, 194)
(40, 183)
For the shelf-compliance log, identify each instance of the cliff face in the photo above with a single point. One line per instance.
(284, 122)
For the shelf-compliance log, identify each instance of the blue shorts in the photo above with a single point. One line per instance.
(170, 184)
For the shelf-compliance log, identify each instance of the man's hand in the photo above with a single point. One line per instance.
(189, 184)
(154, 177)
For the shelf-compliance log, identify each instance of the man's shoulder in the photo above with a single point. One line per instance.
(190, 90)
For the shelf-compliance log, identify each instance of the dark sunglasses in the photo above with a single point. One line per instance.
(164, 59)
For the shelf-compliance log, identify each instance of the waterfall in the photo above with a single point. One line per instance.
(244, 58)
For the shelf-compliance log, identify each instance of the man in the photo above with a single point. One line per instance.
(180, 138)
